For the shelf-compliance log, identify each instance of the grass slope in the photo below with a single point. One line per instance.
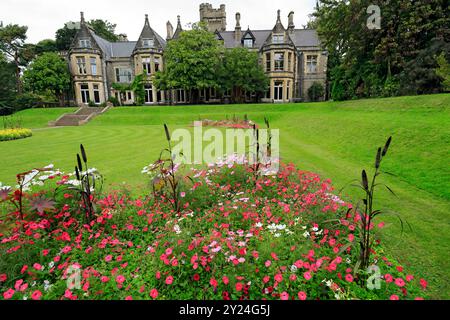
(335, 139)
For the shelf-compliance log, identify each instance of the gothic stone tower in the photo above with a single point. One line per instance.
(216, 19)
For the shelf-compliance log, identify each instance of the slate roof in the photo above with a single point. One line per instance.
(300, 38)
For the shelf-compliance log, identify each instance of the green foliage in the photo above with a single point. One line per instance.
(46, 45)
(114, 101)
(12, 45)
(316, 92)
(192, 61)
(8, 86)
(48, 72)
(443, 71)
(395, 59)
(240, 71)
(137, 86)
(64, 38)
(104, 29)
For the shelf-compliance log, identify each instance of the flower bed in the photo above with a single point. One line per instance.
(14, 134)
(282, 237)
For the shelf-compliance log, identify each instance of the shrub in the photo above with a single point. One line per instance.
(114, 101)
(14, 134)
(27, 101)
(316, 91)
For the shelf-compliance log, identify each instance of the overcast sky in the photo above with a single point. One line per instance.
(44, 17)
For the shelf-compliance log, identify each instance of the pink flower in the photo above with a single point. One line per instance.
(423, 284)
(36, 295)
(381, 225)
(22, 271)
(302, 295)
(68, 294)
(129, 298)
(37, 266)
(399, 282)
(108, 258)
(418, 298)
(169, 280)
(104, 279)
(239, 286)
(120, 279)
(307, 275)
(225, 280)
(409, 278)
(266, 279)
(278, 277)
(394, 297)
(268, 263)
(293, 277)
(169, 251)
(154, 293)
(183, 194)
(213, 282)
(8, 294)
(351, 237)
(284, 296)
(388, 278)
(349, 277)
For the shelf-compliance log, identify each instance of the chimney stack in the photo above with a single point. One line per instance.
(169, 30)
(82, 17)
(291, 25)
(237, 29)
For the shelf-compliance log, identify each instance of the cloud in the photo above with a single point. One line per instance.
(44, 17)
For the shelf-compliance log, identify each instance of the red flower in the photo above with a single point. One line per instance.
(225, 280)
(3, 277)
(37, 266)
(213, 282)
(120, 279)
(284, 296)
(399, 282)
(302, 295)
(423, 283)
(36, 295)
(169, 280)
(196, 277)
(349, 277)
(239, 286)
(154, 293)
(8, 294)
(394, 297)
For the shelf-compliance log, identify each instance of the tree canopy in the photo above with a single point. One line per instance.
(240, 71)
(192, 61)
(369, 62)
(48, 73)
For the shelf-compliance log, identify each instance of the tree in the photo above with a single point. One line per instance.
(8, 85)
(240, 71)
(12, 42)
(192, 62)
(48, 73)
(316, 91)
(104, 29)
(392, 60)
(46, 45)
(443, 71)
(64, 38)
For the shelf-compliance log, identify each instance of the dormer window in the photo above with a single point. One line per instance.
(148, 43)
(248, 43)
(278, 38)
(85, 43)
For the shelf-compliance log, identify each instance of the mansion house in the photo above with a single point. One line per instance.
(291, 58)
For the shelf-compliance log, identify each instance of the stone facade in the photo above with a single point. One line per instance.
(292, 59)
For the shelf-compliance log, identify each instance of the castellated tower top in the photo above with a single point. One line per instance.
(216, 19)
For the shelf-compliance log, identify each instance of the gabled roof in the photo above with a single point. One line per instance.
(179, 29)
(248, 34)
(279, 28)
(84, 33)
(149, 33)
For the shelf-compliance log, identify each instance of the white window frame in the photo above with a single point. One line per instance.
(85, 43)
(124, 75)
(93, 65)
(148, 43)
(85, 94)
(278, 38)
(311, 63)
(81, 63)
(248, 43)
(147, 65)
(279, 63)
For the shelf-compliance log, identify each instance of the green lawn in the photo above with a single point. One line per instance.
(335, 139)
